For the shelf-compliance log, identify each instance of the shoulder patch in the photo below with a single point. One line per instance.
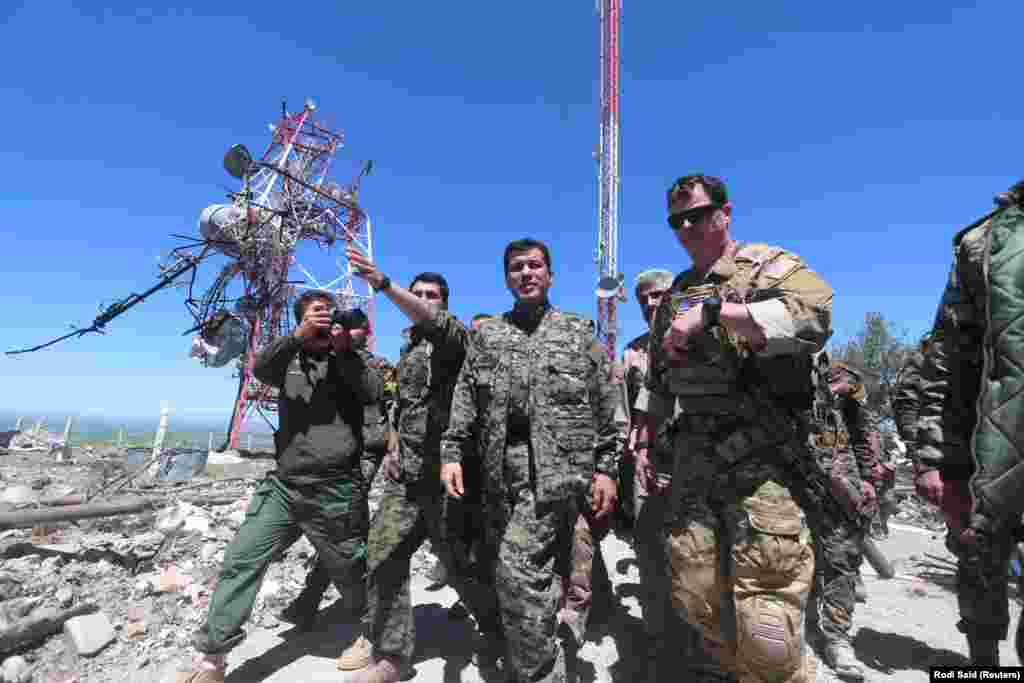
(753, 252)
(780, 266)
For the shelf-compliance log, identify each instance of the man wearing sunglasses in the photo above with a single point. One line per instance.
(729, 373)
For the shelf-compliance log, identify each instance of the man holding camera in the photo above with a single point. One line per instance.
(376, 435)
(317, 488)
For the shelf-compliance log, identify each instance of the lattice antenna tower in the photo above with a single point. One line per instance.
(610, 290)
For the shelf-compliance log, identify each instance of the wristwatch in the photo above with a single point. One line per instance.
(711, 310)
(385, 282)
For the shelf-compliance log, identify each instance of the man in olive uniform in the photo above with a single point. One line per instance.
(318, 486)
(843, 435)
(376, 429)
(411, 506)
(730, 375)
(533, 401)
(967, 455)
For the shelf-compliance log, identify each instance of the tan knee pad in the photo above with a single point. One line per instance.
(693, 556)
(769, 637)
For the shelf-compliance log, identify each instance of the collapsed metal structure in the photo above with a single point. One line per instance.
(286, 199)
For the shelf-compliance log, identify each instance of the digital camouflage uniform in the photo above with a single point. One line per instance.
(844, 437)
(317, 489)
(970, 415)
(731, 416)
(534, 402)
(589, 573)
(411, 510)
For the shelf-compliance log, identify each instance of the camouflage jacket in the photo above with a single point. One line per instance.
(376, 419)
(634, 358)
(906, 396)
(951, 374)
(840, 424)
(731, 389)
(571, 404)
(427, 371)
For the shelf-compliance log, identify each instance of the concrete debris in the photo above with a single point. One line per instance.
(153, 570)
(89, 634)
(19, 494)
(16, 670)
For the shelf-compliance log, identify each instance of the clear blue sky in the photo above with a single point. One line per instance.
(860, 135)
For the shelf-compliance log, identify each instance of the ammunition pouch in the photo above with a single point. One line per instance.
(787, 378)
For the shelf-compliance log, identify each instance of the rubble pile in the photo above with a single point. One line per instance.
(118, 598)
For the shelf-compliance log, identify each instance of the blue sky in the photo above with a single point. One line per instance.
(859, 135)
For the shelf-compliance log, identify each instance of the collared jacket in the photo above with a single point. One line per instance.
(570, 404)
(321, 405)
(427, 371)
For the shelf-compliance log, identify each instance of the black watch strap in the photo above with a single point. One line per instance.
(711, 311)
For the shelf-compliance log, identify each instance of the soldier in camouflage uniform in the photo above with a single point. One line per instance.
(843, 435)
(411, 506)
(534, 402)
(376, 431)
(730, 375)
(588, 577)
(317, 487)
(968, 439)
(906, 403)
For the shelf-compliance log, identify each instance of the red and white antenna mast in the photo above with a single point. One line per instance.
(609, 287)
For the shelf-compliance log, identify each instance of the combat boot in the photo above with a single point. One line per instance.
(840, 657)
(983, 652)
(356, 656)
(384, 670)
(200, 677)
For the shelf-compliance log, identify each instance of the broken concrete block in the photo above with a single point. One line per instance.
(18, 495)
(65, 596)
(89, 634)
(16, 670)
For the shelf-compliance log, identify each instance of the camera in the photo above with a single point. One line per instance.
(351, 319)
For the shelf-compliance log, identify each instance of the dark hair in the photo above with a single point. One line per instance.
(306, 299)
(526, 244)
(481, 316)
(712, 185)
(433, 279)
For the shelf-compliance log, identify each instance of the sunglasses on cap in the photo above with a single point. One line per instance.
(691, 217)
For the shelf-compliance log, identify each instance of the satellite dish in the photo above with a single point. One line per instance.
(238, 161)
(608, 287)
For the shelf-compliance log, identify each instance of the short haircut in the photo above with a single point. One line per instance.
(308, 297)
(715, 188)
(433, 279)
(526, 244)
(662, 279)
(481, 316)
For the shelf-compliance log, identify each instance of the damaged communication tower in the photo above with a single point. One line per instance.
(286, 201)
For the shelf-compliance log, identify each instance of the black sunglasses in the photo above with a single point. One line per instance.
(691, 216)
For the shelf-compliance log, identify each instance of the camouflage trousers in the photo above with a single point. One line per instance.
(408, 515)
(588, 567)
(529, 547)
(839, 558)
(742, 562)
(333, 515)
(981, 580)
